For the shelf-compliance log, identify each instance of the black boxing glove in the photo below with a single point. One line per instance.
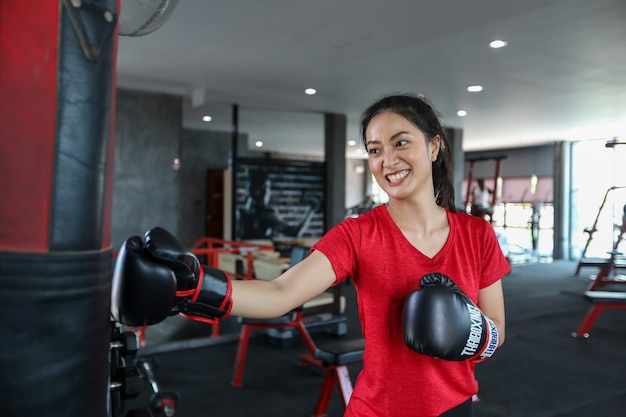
(440, 320)
(142, 292)
(203, 293)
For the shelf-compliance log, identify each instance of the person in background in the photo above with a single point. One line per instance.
(428, 277)
(481, 197)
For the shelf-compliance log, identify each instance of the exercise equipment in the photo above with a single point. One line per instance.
(601, 300)
(133, 388)
(613, 263)
(56, 177)
(604, 300)
(465, 334)
(595, 262)
(336, 357)
(293, 320)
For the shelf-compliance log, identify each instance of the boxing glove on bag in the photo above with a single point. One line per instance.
(440, 320)
(202, 293)
(159, 277)
(143, 292)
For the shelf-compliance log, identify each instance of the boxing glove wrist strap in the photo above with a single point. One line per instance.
(211, 298)
(491, 344)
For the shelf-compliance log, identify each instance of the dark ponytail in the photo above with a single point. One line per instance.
(419, 112)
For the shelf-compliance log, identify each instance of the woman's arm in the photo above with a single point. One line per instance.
(266, 299)
(491, 303)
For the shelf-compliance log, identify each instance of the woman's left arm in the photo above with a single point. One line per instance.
(491, 303)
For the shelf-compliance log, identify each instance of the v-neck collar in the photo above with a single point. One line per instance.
(410, 249)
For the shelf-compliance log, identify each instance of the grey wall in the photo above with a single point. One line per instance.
(146, 190)
(202, 151)
(520, 162)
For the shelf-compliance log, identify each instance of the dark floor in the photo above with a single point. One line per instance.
(541, 371)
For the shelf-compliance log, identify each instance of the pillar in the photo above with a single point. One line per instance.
(455, 139)
(335, 168)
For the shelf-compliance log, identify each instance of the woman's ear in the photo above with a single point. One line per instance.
(435, 147)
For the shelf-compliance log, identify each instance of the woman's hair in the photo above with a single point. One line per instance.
(423, 116)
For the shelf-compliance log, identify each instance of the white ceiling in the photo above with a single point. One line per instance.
(561, 77)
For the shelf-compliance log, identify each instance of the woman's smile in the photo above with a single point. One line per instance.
(397, 177)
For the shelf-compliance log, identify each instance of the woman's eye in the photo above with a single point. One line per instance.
(372, 151)
(401, 142)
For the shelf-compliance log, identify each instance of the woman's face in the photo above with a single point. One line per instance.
(400, 157)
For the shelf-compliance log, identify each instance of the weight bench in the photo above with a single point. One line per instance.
(592, 263)
(335, 358)
(605, 275)
(602, 300)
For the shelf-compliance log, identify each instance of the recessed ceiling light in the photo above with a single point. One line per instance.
(310, 91)
(351, 142)
(498, 43)
(474, 88)
(207, 118)
(461, 113)
(258, 143)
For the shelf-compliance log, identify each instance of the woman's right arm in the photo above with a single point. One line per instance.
(300, 283)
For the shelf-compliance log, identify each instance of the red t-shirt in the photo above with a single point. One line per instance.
(395, 380)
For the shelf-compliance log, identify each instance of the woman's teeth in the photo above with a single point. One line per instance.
(397, 177)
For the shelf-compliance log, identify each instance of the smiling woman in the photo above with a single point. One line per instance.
(410, 260)
(401, 126)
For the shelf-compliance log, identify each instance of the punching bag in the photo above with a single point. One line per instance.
(57, 65)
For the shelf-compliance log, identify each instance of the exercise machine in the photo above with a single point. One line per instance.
(604, 300)
(133, 389)
(610, 265)
(584, 261)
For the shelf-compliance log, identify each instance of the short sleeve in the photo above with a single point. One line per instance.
(340, 245)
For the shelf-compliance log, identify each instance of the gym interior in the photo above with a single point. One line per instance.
(106, 161)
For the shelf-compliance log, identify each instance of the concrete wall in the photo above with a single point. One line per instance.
(202, 151)
(146, 190)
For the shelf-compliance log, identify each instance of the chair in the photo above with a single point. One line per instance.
(291, 320)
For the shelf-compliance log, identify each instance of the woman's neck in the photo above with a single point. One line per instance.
(417, 217)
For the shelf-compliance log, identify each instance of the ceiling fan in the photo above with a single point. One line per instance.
(141, 17)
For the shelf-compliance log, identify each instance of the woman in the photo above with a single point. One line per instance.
(404, 250)
(385, 252)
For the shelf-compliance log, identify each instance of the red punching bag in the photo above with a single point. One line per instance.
(57, 67)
